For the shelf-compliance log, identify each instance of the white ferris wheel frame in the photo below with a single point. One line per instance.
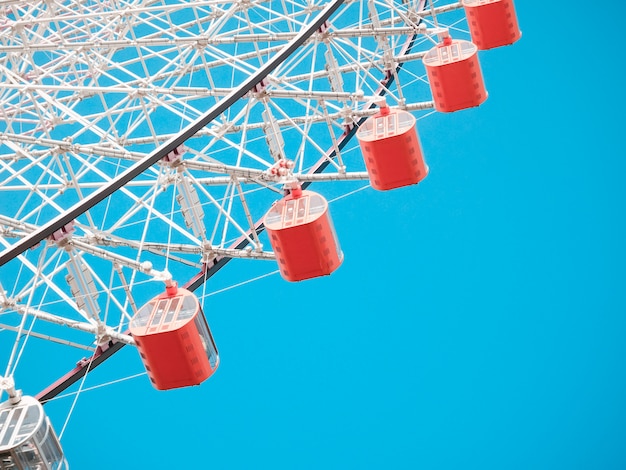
(83, 130)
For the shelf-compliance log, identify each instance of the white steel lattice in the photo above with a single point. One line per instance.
(91, 87)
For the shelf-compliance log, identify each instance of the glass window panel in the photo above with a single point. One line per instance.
(11, 427)
(432, 56)
(444, 54)
(49, 446)
(160, 311)
(405, 121)
(302, 203)
(4, 416)
(171, 311)
(317, 204)
(334, 232)
(467, 49)
(188, 308)
(207, 340)
(275, 214)
(28, 455)
(290, 210)
(51, 449)
(42, 433)
(454, 49)
(141, 318)
(380, 126)
(391, 124)
(30, 422)
(366, 128)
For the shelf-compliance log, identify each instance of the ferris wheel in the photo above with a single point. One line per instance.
(144, 144)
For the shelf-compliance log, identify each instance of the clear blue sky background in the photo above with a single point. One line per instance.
(478, 320)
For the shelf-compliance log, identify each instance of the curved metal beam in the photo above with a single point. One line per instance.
(94, 198)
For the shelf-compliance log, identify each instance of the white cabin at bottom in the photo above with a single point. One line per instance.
(27, 440)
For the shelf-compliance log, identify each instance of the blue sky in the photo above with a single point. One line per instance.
(477, 322)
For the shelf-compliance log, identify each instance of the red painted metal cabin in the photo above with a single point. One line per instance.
(391, 149)
(456, 80)
(492, 23)
(302, 236)
(174, 340)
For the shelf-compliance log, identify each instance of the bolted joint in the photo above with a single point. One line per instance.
(8, 384)
(62, 236)
(293, 188)
(324, 27)
(260, 88)
(282, 167)
(175, 157)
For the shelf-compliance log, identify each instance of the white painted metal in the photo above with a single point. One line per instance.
(91, 87)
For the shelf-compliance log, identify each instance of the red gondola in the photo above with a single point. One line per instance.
(174, 340)
(456, 80)
(492, 23)
(391, 149)
(302, 236)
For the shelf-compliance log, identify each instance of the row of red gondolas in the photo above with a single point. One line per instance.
(171, 332)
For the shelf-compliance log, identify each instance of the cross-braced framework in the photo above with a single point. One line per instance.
(89, 88)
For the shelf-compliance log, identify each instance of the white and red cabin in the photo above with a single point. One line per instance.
(456, 80)
(391, 149)
(174, 340)
(27, 439)
(492, 23)
(302, 236)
